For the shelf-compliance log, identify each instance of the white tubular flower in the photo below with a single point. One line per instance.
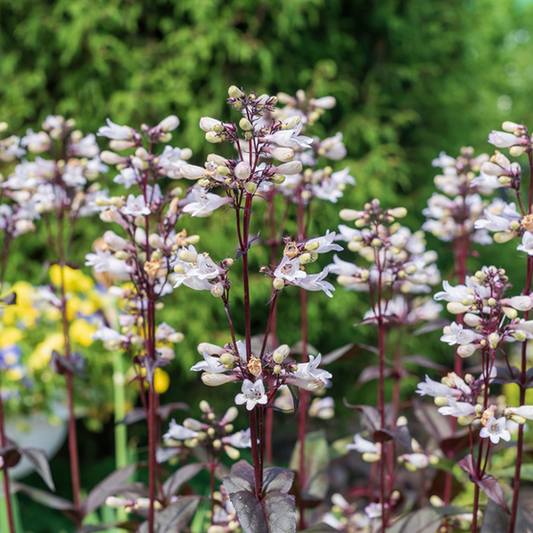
(105, 262)
(436, 389)
(215, 380)
(252, 394)
(454, 294)
(456, 334)
(501, 139)
(127, 177)
(527, 243)
(114, 131)
(192, 172)
(209, 364)
(135, 206)
(288, 169)
(322, 408)
(525, 411)
(443, 161)
(178, 432)
(496, 430)
(315, 282)
(520, 303)
(114, 241)
(108, 335)
(363, 446)
(289, 269)
(322, 245)
(415, 461)
(241, 439)
(457, 409)
(308, 376)
(115, 503)
(202, 204)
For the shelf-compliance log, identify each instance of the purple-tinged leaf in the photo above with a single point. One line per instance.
(495, 519)
(371, 416)
(39, 461)
(176, 517)
(75, 365)
(399, 433)
(110, 486)
(370, 373)
(507, 375)
(173, 484)
(138, 413)
(344, 353)
(488, 484)
(424, 361)
(426, 520)
(10, 299)
(435, 424)
(297, 348)
(150, 365)
(48, 500)
(165, 410)
(432, 325)
(274, 512)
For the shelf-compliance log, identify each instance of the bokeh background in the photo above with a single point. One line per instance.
(411, 78)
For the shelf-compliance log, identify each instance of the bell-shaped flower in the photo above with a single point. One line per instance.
(495, 429)
(289, 270)
(202, 204)
(179, 432)
(457, 334)
(114, 131)
(135, 206)
(315, 282)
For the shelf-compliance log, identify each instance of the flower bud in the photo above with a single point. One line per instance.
(234, 454)
(116, 503)
(293, 167)
(111, 158)
(121, 145)
(305, 258)
(517, 151)
(519, 336)
(280, 353)
(493, 339)
(278, 179)
(510, 127)
(466, 350)
(208, 124)
(217, 290)
(170, 123)
(441, 401)
(243, 171)
(278, 283)
(472, 320)
(250, 187)
(503, 236)
(213, 137)
(491, 169)
(214, 380)
(398, 212)
(231, 415)
(245, 124)
(466, 420)
(283, 154)
(510, 312)
(456, 308)
(107, 216)
(235, 92)
(371, 457)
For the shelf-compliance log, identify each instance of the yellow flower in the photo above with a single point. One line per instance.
(23, 310)
(75, 280)
(43, 351)
(161, 381)
(15, 374)
(10, 336)
(73, 306)
(81, 331)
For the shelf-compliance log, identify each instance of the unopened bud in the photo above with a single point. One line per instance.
(243, 171)
(278, 283)
(250, 187)
(217, 290)
(235, 92)
(245, 124)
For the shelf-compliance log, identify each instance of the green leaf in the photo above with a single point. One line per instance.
(526, 472)
(426, 520)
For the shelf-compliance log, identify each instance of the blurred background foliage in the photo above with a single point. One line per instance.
(411, 78)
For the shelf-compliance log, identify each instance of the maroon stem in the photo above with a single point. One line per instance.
(72, 436)
(7, 493)
(381, 409)
(152, 425)
(212, 468)
(303, 394)
(243, 239)
(523, 378)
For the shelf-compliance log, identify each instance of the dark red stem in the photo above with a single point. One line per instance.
(7, 493)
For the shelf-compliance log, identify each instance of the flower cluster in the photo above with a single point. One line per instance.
(491, 317)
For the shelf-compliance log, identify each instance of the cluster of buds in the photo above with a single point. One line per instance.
(492, 318)
(59, 184)
(460, 398)
(212, 433)
(398, 257)
(137, 506)
(225, 518)
(322, 183)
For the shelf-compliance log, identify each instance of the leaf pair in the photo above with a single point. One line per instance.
(273, 511)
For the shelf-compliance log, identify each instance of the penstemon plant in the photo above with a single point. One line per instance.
(263, 371)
